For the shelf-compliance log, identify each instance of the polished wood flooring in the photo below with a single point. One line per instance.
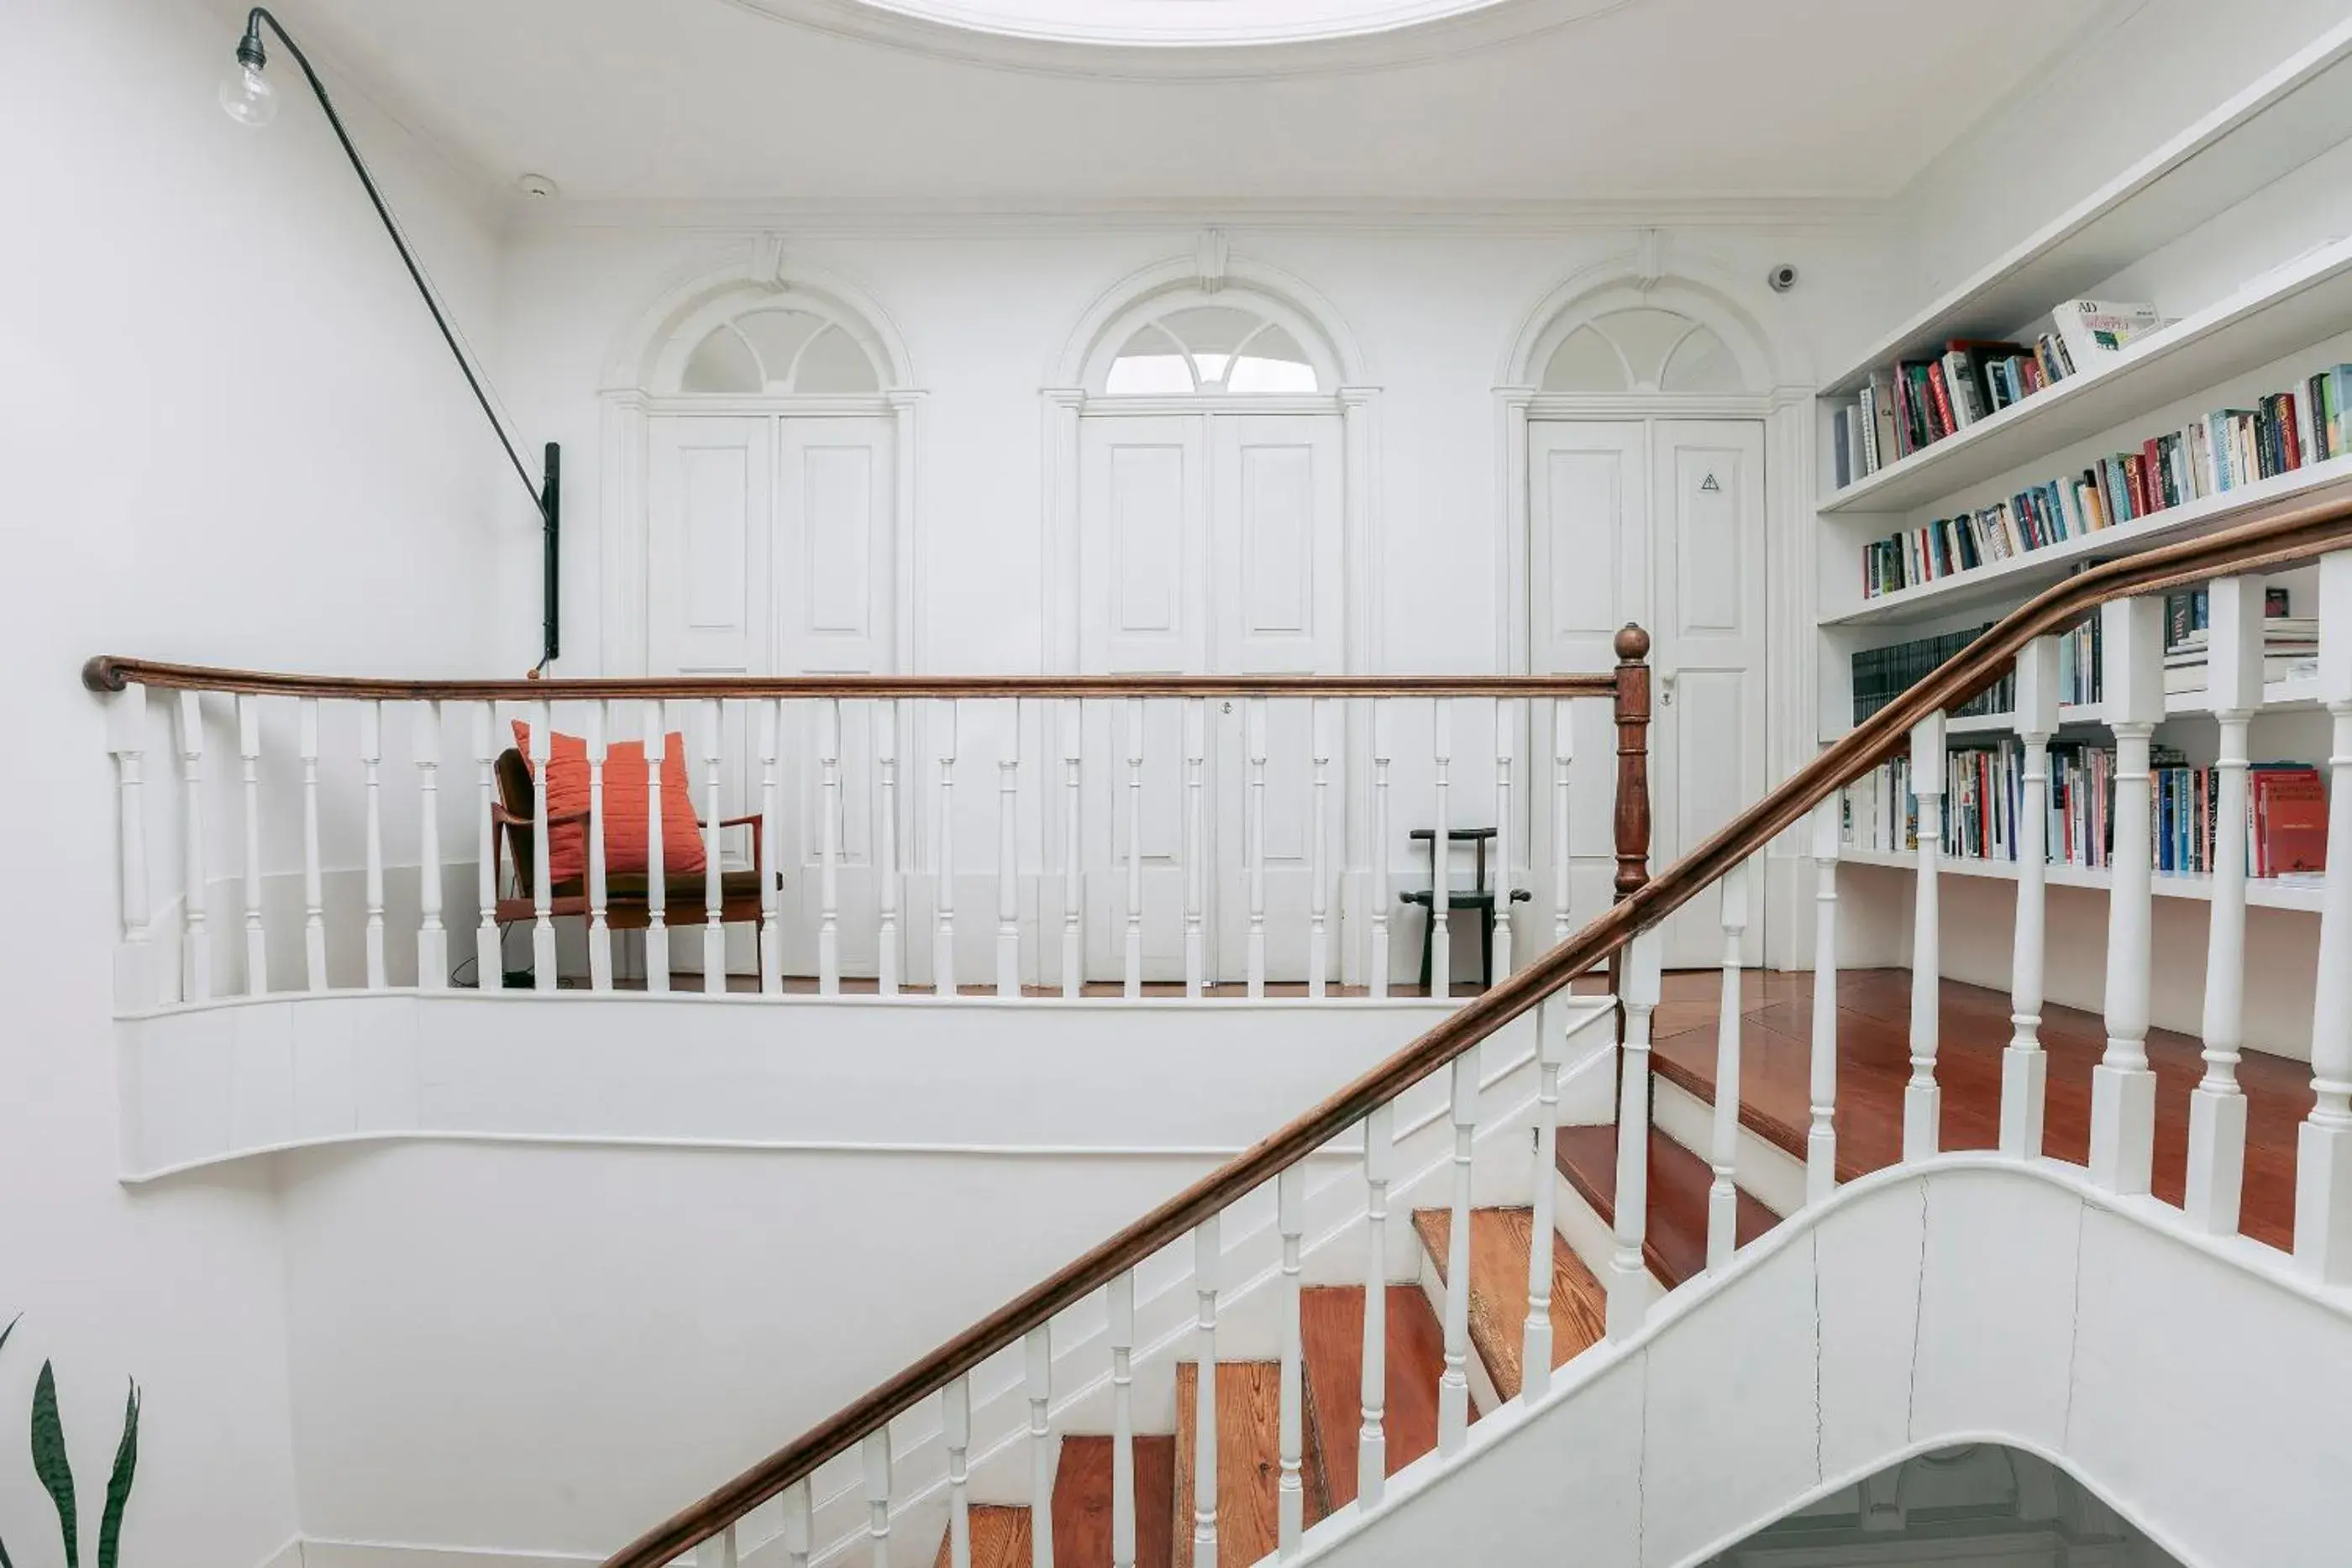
(1874, 1063)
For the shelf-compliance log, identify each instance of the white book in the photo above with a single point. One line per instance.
(2093, 327)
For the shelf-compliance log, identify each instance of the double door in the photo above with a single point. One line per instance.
(1659, 521)
(1209, 544)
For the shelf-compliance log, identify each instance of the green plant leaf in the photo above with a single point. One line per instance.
(118, 1484)
(49, 1461)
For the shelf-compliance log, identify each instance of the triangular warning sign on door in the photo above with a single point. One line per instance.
(1709, 487)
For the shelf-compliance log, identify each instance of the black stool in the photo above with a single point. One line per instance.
(1478, 896)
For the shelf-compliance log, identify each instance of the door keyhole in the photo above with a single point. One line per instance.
(1227, 706)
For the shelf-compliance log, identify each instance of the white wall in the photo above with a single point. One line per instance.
(229, 437)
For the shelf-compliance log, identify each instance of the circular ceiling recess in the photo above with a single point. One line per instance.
(1187, 38)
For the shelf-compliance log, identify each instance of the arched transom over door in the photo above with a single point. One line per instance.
(770, 548)
(1210, 495)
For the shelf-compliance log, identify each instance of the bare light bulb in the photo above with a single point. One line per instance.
(244, 92)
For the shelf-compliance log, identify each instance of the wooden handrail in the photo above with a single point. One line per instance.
(108, 672)
(2282, 539)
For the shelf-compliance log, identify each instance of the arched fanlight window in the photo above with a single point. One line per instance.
(1645, 349)
(779, 349)
(1211, 349)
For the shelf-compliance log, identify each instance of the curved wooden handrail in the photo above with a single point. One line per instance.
(108, 672)
(2289, 536)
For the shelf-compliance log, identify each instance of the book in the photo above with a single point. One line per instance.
(2092, 328)
(2289, 805)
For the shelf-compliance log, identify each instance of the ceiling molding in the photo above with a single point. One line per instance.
(1152, 40)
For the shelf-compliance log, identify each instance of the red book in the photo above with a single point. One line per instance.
(2135, 475)
(2151, 464)
(2289, 441)
(1943, 398)
(2290, 821)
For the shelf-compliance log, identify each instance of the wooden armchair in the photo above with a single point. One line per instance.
(627, 902)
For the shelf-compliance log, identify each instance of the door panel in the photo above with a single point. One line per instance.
(709, 496)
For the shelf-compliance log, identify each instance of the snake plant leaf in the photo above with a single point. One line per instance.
(49, 1461)
(118, 1484)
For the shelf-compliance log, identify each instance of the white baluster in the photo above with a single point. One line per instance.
(1441, 848)
(1074, 962)
(1371, 1442)
(431, 936)
(1132, 966)
(828, 897)
(1196, 850)
(1628, 1277)
(1383, 892)
(2024, 1068)
(1122, 1421)
(489, 960)
(1723, 1193)
(1535, 1340)
(1563, 756)
(1039, 1353)
(600, 930)
(1923, 1103)
(1454, 1384)
(890, 961)
(542, 897)
(943, 966)
(195, 934)
(2323, 1168)
(718, 1552)
(1319, 897)
(1008, 865)
(134, 963)
(714, 897)
(1505, 756)
(2123, 1087)
(796, 1528)
(877, 1455)
(372, 795)
(2217, 1110)
(248, 753)
(1290, 1489)
(772, 811)
(956, 1432)
(1821, 1138)
(656, 731)
(1253, 831)
(1205, 1270)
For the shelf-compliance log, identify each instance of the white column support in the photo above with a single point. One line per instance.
(1290, 1488)
(1206, 1261)
(955, 1433)
(1122, 1420)
(489, 959)
(1318, 896)
(134, 959)
(770, 723)
(1535, 1339)
(2123, 1087)
(2217, 1108)
(248, 753)
(432, 934)
(601, 725)
(943, 953)
(828, 895)
(1454, 1384)
(718, 1552)
(1440, 850)
(1563, 757)
(542, 926)
(2322, 1169)
(1820, 1135)
(1038, 1351)
(2024, 1066)
(1074, 938)
(1723, 1193)
(1923, 1103)
(371, 797)
(1506, 758)
(1253, 831)
(714, 896)
(1627, 1279)
(889, 940)
(1383, 896)
(1008, 858)
(1371, 1441)
(876, 1465)
(1131, 944)
(195, 932)
(657, 732)
(1196, 847)
(797, 1523)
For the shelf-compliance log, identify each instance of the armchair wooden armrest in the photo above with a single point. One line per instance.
(754, 821)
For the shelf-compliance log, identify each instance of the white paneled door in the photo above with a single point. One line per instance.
(769, 551)
(1662, 522)
(1209, 544)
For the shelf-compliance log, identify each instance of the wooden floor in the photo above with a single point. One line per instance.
(1874, 1063)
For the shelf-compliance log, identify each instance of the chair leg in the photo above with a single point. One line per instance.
(1428, 937)
(1487, 946)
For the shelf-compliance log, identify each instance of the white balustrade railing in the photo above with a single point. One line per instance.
(607, 820)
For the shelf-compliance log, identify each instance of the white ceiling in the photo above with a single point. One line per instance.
(1516, 100)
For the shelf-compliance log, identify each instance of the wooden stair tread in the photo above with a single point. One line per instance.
(1331, 1333)
(1249, 1461)
(1082, 1499)
(1673, 1241)
(999, 1538)
(1499, 1242)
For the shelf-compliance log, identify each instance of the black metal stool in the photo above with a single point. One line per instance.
(1478, 896)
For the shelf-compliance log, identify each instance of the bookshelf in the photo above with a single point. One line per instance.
(2278, 696)
(2262, 893)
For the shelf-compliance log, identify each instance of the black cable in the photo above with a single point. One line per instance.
(259, 14)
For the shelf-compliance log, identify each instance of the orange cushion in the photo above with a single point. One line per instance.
(624, 805)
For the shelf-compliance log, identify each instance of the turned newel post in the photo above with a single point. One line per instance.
(1633, 758)
(2123, 1087)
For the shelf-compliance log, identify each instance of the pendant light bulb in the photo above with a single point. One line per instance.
(244, 92)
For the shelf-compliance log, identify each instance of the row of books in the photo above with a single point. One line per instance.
(1984, 793)
(1914, 404)
(2229, 448)
(1881, 674)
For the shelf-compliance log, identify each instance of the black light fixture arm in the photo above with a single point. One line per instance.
(547, 492)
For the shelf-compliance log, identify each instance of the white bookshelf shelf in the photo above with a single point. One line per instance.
(2009, 582)
(2278, 696)
(2277, 125)
(2305, 301)
(2262, 893)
